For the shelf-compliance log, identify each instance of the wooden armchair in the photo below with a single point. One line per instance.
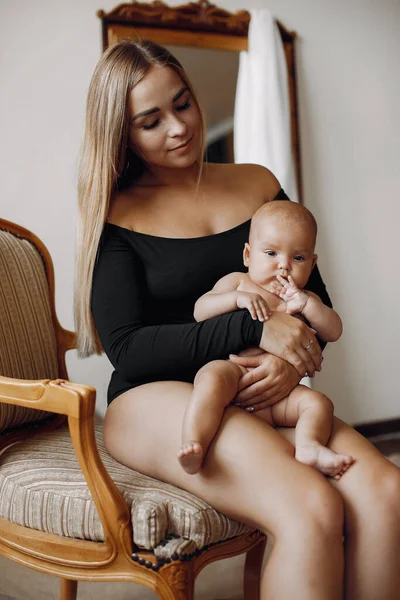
(67, 508)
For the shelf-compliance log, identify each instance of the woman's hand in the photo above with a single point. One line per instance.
(291, 339)
(269, 380)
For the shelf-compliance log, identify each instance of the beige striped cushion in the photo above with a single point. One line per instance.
(27, 341)
(42, 487)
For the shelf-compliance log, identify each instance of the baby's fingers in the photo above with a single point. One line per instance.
(263, 311)
(283, 282)
(252, 310)
(258, 310)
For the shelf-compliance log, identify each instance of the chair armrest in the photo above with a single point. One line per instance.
(57, 396)
(78, 403)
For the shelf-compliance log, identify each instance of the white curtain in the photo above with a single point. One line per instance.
(262, 108)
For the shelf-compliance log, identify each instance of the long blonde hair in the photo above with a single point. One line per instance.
(106, 165)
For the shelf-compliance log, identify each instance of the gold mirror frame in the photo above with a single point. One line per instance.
(198, 25)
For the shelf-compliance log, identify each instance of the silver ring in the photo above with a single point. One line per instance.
(309, 345)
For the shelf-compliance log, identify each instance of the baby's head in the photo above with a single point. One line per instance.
(281, 242)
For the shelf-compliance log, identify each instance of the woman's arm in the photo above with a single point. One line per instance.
(139, 350)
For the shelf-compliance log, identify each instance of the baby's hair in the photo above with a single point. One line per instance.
(285, 211)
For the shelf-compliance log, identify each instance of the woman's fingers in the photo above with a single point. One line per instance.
(314, 351)
(246, 361)
(299, 363)
(251, 396)
(250, 378)
(247, 396)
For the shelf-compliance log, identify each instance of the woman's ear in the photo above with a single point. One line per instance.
(246, 254)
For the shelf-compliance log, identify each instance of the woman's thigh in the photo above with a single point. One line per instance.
(249, 473)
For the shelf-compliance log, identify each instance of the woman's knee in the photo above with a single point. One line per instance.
(318, 508)
(384, 494)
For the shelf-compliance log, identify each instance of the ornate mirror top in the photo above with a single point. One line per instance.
(194, 16)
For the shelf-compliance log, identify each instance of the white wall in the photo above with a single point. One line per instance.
(349, 87)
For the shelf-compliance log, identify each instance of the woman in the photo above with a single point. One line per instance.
(164, 226)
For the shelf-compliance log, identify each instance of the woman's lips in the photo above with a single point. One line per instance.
(182, 146)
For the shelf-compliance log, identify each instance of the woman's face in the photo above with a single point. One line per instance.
(165, 124)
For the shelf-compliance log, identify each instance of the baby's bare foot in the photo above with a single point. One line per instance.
(191, 457)
(323, 459)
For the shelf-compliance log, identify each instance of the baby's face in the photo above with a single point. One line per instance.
(280, 248)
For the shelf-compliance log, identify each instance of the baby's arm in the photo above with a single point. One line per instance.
(225, 297)
(323, 319)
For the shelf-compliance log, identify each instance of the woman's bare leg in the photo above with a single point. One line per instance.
(249, 474)
(312, 414)
(371, 493)
(214, 388)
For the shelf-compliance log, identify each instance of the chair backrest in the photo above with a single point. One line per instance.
(28, 348)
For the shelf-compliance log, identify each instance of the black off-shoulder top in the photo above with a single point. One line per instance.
(143, 295)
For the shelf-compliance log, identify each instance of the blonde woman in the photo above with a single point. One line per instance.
(157, 229)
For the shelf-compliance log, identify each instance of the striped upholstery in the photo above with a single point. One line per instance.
(42, 487)
(27, 341)
(41, 484)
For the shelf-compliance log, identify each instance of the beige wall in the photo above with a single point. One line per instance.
(349, 85)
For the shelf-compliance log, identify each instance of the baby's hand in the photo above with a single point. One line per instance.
(255, 304)
(295, 298)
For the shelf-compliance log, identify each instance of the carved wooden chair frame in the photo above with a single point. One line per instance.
(199, 25)
(115, 559)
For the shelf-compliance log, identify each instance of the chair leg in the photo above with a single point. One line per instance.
(68, 589)
(180, 581)
(252, 571)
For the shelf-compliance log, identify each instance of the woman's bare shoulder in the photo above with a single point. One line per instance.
(255, 178)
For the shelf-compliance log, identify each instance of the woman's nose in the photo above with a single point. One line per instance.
(176, 126)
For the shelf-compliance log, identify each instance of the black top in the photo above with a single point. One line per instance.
(143, 296)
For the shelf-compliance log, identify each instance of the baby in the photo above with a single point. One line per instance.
(280, 257)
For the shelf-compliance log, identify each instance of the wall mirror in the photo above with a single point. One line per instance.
(207, 40)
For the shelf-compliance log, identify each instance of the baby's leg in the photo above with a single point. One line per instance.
(312, 413)
(214, 387)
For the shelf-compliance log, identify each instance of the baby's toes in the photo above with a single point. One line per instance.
(196, 448)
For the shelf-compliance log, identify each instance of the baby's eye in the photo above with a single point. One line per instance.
(270, 252)
(152, 125)
(184, 106)
(298, 258)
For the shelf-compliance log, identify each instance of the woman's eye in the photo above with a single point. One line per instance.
(184, 106)
(298, 258)
(146, 127)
